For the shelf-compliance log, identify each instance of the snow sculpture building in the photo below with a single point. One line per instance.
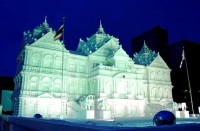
(97, 81)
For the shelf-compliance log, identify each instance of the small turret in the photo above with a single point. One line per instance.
(145, 56)
(100, 30)
(145, 49)
(38, 32)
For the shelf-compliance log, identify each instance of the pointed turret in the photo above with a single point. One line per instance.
(45, 24)
(145, 56)
(38, 32)
(100, 30)
(96, 41)
(45, 20)
(145, 49)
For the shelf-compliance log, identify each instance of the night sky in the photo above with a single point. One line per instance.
(124, 19)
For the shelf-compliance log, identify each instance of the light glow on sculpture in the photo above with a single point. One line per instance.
(97, 81)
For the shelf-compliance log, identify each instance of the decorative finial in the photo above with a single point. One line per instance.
(101, 30)
(45, 20)
(145, 43)
(100, 26)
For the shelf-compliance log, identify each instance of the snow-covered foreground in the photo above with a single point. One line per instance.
(131, 122)
(137, 124)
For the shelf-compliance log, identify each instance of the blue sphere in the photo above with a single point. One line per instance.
(37, 116)
(164, 118)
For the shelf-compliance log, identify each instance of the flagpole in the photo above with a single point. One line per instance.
(189, 83)
(62, 109)
(63, 56)
(63, 29)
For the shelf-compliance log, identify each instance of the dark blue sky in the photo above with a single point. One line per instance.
(124, 19)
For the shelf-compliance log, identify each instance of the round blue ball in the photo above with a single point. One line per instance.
(37, 116)
(164, 118)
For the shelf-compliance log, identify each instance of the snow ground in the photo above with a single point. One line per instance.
(136, 124)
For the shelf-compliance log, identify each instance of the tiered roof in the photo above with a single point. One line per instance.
(145, 56)
(38, 32)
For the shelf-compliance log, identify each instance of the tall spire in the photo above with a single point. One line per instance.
(100, 30)
(46, 25)
(145, 48)
(144, 43)
(45, 21)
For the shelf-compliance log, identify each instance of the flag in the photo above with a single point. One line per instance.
(59, 33)
(183, 58)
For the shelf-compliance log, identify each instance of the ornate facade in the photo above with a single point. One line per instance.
(97, 81)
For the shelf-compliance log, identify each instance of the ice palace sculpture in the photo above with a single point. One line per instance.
(97, 81)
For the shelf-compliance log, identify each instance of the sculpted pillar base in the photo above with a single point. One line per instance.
(182, 114)
(103, 115)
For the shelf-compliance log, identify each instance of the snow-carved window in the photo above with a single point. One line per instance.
(161, 92)
(57, 85)
(160, 75)
(35, 59)
(33, 82)
(47, 61)
(46, 84)
(153, 75)
(58, 63)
